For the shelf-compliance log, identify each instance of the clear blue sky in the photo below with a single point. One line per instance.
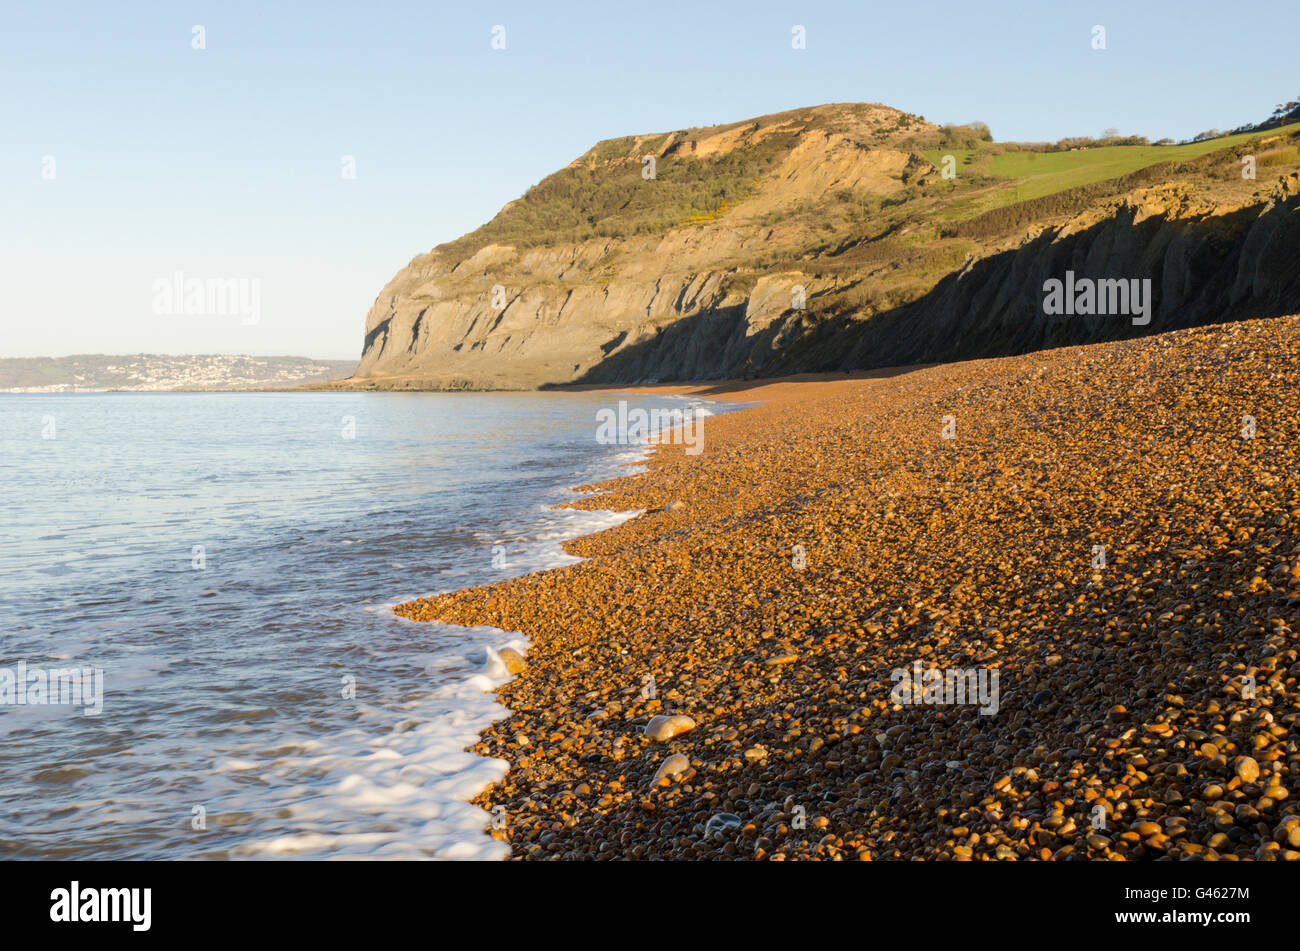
(226, 162)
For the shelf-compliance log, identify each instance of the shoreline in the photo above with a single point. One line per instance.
(506, 651)
(1119, 696)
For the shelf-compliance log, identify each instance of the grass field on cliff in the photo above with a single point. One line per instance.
(603, 194)
(886, 242)
(1044, 173)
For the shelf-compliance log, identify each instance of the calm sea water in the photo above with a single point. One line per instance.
(229, 562)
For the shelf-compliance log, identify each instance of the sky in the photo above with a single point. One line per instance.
(139, 152)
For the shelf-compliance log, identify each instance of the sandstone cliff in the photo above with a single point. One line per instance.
(811, 240)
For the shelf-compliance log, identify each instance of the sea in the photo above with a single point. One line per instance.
(198, 653)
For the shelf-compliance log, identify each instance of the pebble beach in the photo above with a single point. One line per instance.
(1107, 537)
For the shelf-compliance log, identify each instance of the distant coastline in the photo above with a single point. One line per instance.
(163, 373)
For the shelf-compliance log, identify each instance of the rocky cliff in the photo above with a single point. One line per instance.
(813, 240)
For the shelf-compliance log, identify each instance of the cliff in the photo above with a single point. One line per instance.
(823, 239)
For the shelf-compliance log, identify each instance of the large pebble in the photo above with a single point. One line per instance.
(1247, 769)
(513, 660)
(672, 766)
(1288, 831)
(722, 822)
(665, 728)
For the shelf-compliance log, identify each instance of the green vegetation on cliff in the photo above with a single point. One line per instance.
(678, 254)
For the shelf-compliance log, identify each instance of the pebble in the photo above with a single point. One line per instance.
(1247, 769)
(671, 767)
(721, 823)
(1288, 831)
(666, 727)
(513, 660)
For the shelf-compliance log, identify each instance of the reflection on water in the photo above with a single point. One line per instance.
(229, 561)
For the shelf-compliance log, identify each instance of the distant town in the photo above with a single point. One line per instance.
(152, 372)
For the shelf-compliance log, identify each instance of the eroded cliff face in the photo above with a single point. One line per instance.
(1205, 265)
(511, 317)
(760, 286)
(565, 310)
